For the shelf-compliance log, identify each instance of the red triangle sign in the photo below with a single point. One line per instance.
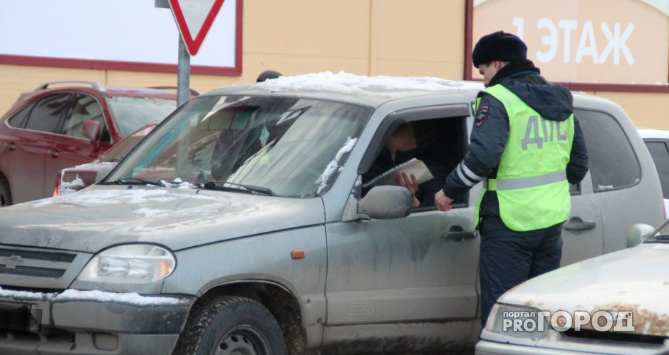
(194, 18)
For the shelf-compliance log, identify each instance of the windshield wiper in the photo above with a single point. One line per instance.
(655, 236)
(663, 238)
(214, 185)
(136, 181)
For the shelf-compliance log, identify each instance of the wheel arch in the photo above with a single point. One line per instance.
(278, 299)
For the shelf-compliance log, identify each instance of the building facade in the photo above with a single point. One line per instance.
(403, 38)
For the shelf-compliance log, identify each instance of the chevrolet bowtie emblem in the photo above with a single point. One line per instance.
(11, 262)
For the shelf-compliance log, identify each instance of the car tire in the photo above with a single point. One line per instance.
(231, 325)
(5, 192)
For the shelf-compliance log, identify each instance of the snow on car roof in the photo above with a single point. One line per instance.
(351, 84)
(650, 133)
(347, 83)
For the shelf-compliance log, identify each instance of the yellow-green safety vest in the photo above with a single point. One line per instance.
(531, 182)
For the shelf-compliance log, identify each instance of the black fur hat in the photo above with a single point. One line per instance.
(505, 47)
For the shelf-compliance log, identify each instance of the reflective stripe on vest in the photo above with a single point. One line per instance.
(531, 184)
(523, 183)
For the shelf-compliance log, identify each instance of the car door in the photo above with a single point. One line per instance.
(31, 144)
(582, 233)
(70, 147)
(400, 277)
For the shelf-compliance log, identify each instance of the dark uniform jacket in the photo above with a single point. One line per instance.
(491, 130)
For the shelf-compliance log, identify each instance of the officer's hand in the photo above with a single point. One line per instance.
(442, 201)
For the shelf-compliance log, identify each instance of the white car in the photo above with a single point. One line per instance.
(657, 142)
(612, 304)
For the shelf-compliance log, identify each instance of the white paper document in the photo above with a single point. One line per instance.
(413, 166)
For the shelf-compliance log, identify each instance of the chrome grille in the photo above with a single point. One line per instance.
(38, 255)
(32, 271)
(34, 263)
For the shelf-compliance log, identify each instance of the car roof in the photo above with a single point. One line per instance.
(365, 90)
(92, 86)
(649, 133)
(374, 91)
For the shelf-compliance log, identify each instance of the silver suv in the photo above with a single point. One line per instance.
(247, 222)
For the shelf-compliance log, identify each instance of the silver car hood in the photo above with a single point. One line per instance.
(628, 280)
(101, 216)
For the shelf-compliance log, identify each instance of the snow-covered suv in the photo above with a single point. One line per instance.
(241, 225)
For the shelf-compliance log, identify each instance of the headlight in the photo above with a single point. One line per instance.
(135, 264)
(518, 322)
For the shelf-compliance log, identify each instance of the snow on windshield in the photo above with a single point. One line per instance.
(333, 166)
(346, 83)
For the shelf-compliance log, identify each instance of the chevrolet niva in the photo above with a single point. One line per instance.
(247, 223)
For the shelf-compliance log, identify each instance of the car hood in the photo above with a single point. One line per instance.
(101, 216)
(629, 280)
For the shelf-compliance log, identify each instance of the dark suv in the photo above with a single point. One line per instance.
(72, 123)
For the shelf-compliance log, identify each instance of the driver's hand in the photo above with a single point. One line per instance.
(411, 184)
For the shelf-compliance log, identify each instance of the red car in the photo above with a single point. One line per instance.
(76, 178)
(56, 126)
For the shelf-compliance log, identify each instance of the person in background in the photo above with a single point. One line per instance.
(527, 147)
(268, 74)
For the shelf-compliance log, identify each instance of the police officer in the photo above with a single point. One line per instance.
(526, 146)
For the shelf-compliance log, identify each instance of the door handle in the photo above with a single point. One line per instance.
(11, 146)
(577, 224)
(55, 153)
(459, 235)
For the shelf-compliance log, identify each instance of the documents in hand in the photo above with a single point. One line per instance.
(413, 166)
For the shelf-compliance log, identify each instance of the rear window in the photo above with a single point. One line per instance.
(47, 113)
(613, 163)
(19, 119)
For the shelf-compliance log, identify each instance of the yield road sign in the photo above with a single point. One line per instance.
(194, 18)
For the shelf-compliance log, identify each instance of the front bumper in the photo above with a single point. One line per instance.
(91, 323)
(485, 347)
(589, 347)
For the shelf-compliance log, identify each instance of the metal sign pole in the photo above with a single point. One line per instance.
(183, 73)
(183, 84)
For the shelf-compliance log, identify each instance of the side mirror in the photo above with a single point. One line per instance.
(91, 129)
(386, 202)
(638, 233)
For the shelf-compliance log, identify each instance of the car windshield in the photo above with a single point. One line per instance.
(281, 146)
(122, 148)
(131, 113)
